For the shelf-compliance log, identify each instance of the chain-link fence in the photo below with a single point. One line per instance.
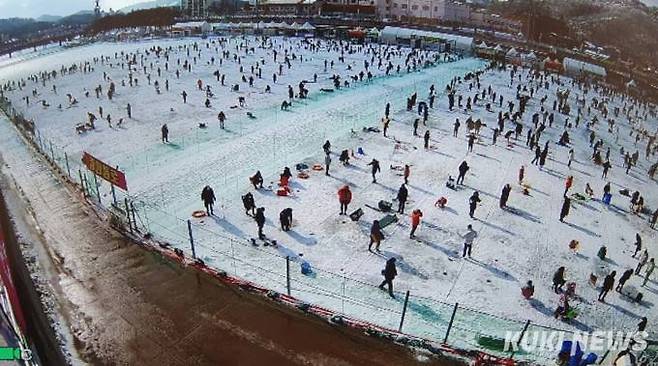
(446, 323)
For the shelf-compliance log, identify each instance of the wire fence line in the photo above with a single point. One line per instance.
(423, 317)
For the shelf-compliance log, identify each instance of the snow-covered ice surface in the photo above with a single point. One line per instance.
(514, 246)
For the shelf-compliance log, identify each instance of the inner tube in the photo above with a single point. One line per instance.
(199, 214)
(317, 167)
(302, 175)
(326, 90)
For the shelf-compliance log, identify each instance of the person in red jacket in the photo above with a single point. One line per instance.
(416, 215)
(568, 184)
(344, 197)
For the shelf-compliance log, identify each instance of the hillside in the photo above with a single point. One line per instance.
(628, 26)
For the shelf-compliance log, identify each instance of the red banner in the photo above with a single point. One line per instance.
(112, 175)
(5, 273)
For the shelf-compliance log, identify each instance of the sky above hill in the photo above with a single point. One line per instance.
(36, 8)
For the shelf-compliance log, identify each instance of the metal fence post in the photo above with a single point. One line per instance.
(404, 310)
(98, 192)
(452, 319)
(114, 195)
(288, 274)
(52, 152)
(604, 356)
(132, 210)
(189, 230)
(68, 168)
(130, 225)
(82, 183)
(525, 328)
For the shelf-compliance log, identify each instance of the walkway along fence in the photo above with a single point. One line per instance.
(410, 319)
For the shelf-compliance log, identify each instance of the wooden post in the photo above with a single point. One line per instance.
(288, 274)
(189, 230)
(452, 319)
(404, 310)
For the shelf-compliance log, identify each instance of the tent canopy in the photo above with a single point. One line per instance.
(307, 26)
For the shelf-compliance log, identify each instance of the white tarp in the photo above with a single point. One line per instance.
(575, 67)
(392, 34)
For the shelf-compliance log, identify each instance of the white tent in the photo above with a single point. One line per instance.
(307, 26)
(498, 48)
(575, 67)
(512, 52)
(283, 25)
(483, 45)
(392, 34)
(261, 24)
(295, 26)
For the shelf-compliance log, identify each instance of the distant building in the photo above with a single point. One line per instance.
(190, 28)
(431, 11)
(290, 7)
(195, 8)
(362, 7)
(484, 19)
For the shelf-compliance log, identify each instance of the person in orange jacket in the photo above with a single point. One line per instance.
(416, 215)
(344, 197)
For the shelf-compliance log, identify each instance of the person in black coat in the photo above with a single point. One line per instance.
(463, 168)
(504, 196)
(249, 204)
(622, 280)
(389, 273)
(165, 133)
(426, 139)
(376, 235)
(642, 325)
(285, 217)
(326, 147)
(473, 202)
(566, 205)
(558, 280)
(608, 284)
(260, 221)
(257, 180)
(638, 244)
(208, 198)
(375, 169)
(403, 193)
